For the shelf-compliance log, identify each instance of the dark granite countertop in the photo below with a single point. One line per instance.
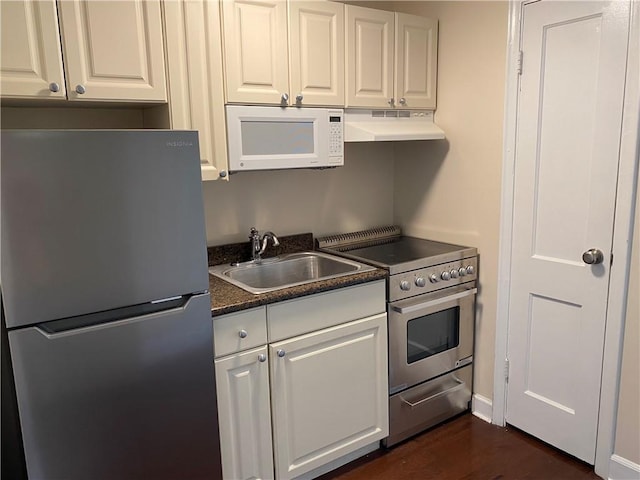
(227, 298)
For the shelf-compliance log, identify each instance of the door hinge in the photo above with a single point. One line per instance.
(611, 261)
(519, 63)
(506, 369)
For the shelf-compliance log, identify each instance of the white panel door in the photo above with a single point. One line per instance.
(316, 57)
(113, 50)
(255, 50)
(31, 53)
(569, 126)
(416, 61)
(329, 394)
(242, 383)
(369, 57)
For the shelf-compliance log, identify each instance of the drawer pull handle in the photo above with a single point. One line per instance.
(460, 385)
(242, 334)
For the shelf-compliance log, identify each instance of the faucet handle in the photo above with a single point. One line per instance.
(253, 233)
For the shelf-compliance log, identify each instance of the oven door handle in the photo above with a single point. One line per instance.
(437, 301)
(460, 384)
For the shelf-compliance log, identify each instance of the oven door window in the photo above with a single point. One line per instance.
(434, 333)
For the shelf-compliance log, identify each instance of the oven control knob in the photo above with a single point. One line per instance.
(462, 271)
(420, 282)
(454, 273)
(433, 278)
(471, 270)
(445, 276)
(404, 285)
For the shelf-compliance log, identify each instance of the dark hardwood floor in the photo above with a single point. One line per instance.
(467, 448)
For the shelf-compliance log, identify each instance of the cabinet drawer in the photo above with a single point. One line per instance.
(323, 310)
(239, 331)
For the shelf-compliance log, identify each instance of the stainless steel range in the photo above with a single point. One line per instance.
(431, 293)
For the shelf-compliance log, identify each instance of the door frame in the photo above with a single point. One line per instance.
(628, 171)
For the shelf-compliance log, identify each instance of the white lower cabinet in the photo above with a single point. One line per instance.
(242, 381)
(302, 400)
(329, 394)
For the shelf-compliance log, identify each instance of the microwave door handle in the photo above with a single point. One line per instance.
(437, 301)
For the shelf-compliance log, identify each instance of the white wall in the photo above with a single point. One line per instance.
(627, 443)
(357, 196)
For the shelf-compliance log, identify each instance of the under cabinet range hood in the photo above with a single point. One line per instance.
(390, 125)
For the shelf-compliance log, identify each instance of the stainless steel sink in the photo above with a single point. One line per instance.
(287, 271)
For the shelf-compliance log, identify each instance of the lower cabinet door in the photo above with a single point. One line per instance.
(242, 381)
(329, 394)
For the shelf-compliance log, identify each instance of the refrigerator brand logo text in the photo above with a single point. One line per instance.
(180, 143)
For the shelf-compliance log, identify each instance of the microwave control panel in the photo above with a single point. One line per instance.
(336, 136)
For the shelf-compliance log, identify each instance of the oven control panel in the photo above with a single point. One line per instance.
(430, 279)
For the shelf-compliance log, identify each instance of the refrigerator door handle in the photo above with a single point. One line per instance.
(114, 318)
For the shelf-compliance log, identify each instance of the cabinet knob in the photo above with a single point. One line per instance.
(54, 87)
(80, 89)
(299, 98)
(391, 101)
(262, 358)
(281, 353)
(284, 98)
(223, 173)
(242, 334)
(403, 101)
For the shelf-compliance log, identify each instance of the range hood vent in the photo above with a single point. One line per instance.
(390, 125)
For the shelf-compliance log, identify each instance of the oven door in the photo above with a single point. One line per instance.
(430, 335)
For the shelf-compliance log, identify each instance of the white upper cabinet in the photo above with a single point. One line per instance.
(369, 57)
(255, 50)
(31, 55)
(416, 53)
(196, 81)
(316, 56)
(113, 50)
(284, 53)
(391, 59)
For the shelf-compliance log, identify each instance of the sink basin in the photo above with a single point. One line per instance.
(287, 271)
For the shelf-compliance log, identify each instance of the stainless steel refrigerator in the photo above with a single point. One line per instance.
(106, 306)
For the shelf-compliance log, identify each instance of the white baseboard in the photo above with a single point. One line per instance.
(622, 469)
(482, 407)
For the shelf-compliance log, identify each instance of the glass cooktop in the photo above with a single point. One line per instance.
(407, 253)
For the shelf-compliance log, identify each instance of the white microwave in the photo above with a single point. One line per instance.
(269, 138)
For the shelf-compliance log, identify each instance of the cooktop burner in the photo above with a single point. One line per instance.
(386, 247)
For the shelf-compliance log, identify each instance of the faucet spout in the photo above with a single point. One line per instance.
(265, 241)
(259, 245)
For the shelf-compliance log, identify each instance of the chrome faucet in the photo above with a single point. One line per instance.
(259, 245)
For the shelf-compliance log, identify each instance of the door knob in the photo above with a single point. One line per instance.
(593, 256)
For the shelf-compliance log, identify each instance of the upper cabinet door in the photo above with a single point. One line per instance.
(416, 61)
(255, 50)
(196, 85)
(370, 37)
(113, 50)
(316, 58)
(31, 59)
